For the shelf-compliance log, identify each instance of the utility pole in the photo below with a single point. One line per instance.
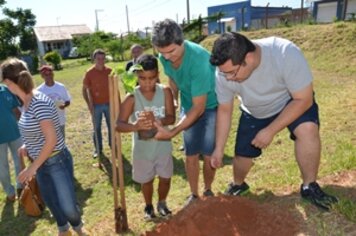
(267, 15)
(127, 19)
(96, 18)
(188, 13)
(301, 11)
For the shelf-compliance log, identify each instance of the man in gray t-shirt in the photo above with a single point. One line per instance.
(273, 82)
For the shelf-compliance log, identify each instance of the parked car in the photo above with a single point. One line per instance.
(73, 53)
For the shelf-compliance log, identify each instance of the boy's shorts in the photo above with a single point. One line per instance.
(249, 126)
(144, 171)
(200, 137)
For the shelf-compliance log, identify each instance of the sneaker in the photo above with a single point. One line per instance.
(149, 212)
(208, 193)
(96, 155)
(237, 190)
(163, 209)
(317, 197)
(190, 199)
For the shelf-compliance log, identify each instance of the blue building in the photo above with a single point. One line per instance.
(241, 15)
(328, 10)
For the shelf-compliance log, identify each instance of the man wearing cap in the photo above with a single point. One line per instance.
(56, 91)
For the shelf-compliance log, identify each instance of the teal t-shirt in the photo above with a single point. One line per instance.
(9, 130)
(194, 77)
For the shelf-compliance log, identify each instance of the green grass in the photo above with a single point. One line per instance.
(275, 177)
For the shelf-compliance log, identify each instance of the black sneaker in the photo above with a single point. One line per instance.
(190, 199)
(149, 212)
(208, 193)
(162, 209)
(237, 190)
(317, 197)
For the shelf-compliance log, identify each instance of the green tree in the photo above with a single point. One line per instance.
(88, 43)
(16, 31)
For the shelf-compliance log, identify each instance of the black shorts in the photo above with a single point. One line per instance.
(249, 126)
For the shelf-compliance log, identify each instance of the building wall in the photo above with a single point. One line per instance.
(246, 16)
(240, 11)
(351, 8)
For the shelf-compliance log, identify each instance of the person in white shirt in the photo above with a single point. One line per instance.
(56, 91)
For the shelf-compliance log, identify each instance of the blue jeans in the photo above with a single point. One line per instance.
(99, 110)
(199, 138)
(4, 165)
(55, 180)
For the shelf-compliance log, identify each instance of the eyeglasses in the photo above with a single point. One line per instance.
(231, 74)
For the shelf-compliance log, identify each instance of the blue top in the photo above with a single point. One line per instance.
(9, 131)
(194, 77)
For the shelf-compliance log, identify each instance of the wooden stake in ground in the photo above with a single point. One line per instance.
(96, 141)
(121, 224)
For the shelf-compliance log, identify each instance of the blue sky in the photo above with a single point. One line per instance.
(112, 14)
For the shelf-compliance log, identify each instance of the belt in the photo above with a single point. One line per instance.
(54, 153)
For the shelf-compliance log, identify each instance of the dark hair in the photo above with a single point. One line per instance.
(148, 62)
(167, 32)
(11, 68)
(232, 46)
(98, 52)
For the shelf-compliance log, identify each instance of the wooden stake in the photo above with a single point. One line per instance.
(121, 224)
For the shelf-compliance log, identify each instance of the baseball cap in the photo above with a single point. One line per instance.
(46, 67)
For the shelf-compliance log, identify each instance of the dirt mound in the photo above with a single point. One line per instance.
(226, 215)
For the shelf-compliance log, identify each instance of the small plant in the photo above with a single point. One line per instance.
(129, 78)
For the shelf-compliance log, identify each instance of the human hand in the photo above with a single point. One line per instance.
(263, 138)
(216, 159)
(162, 133)
(142, 123)
(26, 175)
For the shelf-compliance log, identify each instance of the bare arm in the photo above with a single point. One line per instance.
(223, 126)
(174, 89)
(49, 133)
(302, 101)
(170, 115)
(126, 109)
(87, 98)
(194, 113)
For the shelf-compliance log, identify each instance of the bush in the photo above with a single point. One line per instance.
(53, 58)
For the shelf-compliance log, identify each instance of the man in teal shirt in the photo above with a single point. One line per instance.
(190, 73)
(9, 138)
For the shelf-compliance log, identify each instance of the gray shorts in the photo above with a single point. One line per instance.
(144, 171)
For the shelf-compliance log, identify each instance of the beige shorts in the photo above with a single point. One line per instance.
(144, 171)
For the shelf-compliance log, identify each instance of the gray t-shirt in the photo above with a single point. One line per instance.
(282, 71)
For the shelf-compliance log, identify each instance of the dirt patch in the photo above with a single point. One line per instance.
(226, 215)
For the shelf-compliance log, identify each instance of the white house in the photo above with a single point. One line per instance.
(58, 38)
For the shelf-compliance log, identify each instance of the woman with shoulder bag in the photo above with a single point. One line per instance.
(44, 143)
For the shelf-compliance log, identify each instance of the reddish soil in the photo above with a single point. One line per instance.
(226, 215)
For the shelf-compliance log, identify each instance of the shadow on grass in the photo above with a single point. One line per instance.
(82, 194)
(106, 167)
(19, 224)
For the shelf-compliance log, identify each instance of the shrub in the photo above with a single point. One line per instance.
(53, 58)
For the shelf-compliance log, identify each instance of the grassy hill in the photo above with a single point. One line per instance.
(275, 178)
